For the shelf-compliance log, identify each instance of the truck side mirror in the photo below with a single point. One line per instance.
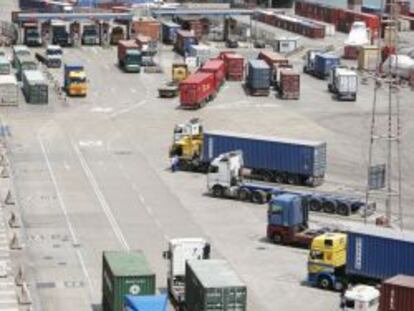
(206, 251)
(166, 255)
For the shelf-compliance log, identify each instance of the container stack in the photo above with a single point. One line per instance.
(289, 84)
(35, 87)
(9, 90)
(149, 27)
(258, 78)
(234, 64)
(213, 285)
(184, 40)
(169, 32)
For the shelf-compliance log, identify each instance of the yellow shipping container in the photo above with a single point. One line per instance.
(368, 57)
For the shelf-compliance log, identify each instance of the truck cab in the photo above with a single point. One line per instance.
(344, 83)
(90, 35)
(309, 66)
(32, 35)
(361, 298)
(179, 72)
(326, 261)
(133, 59)
(179, 251)
(60, 34)
(75, 82)
(54, 56)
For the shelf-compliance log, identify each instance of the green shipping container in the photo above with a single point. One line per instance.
(212, 285)
(125, 272)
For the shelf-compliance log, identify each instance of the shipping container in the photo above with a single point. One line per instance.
(169, 32)
(306, 159)
(218, 69)
(258, 77)
(9, 90)
(344, 83)
(324, 63)
(124, 45)
(197, 90)
(125, 272)
(35, 87)
(202, 52)
(289, 84)
(192, 24)
(351, 52)
(379, 253)
(24, 62)
(212, 285)
(145, 303)
(234, 64)
(4, 66)
(368, 58)
(286, 44)
(184, 40)
(397, 294)
(149, 27)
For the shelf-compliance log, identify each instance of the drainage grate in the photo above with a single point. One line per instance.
(45, 285)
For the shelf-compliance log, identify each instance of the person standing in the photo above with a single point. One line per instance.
(174, 163)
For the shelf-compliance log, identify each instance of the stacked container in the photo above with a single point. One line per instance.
(184, 40)
(212, 285)
(9, 90)
(169, 32)
(35, 87)
(289, 84)
(234, 64)
(24, 62)
(125, 272)
(258, 77)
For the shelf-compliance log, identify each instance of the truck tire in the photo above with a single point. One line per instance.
(279, 178)
(244, 195)
(292, 179)
(315, 205)
(342, 209)
(324, 283)
(277, 238)
(218, 191)
(259, 197)
(328, 207)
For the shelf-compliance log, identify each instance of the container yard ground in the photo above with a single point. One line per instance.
(93, 175)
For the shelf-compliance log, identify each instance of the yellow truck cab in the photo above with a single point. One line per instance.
(327, 259)
(75, 81)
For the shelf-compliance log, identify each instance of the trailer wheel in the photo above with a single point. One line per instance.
(218, 191)
(258, 197)
(279, 178)
(328, 207)
(244, 195)
(324, 282)
(277, 238)
(342, 209)
(292, 179)
(315, 205)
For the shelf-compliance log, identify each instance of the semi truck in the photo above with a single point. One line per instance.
(60, 34)
(225, 179)
(362, 255)
(51, 57)
(74, 80)
(129, 56)
(269, 158)
(319, 63)
(343, 83)
(32, 35)
(179, 251)
(90, 34)
(179, 73)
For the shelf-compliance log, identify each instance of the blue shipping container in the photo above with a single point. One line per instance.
(379, 253)
(169, 32)
(258, 74)
(307, 158)
(286, 210)
(324, 63)
(145, 303)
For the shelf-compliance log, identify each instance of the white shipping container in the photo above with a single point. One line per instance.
(9, 90)
(286, 44)
(346, 81)
(202, 53)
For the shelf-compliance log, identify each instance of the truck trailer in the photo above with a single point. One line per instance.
(129, 56)
(363, 255)
(344, 83)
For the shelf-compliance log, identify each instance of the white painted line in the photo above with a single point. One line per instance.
(8, 301)
(94, 50)
(126, 110)
(105, 207)
(62, 205)
(141, 198)
(7, 292)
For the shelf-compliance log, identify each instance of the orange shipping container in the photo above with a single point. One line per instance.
(147, 27)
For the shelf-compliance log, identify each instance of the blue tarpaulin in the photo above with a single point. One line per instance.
(145, 303)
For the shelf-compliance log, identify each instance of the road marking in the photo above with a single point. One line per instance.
(105, 207)
(101, 109)
(67, 219)
(141, 198)
(90, 143)
(133, 90)
(128, 109)
(94, 50)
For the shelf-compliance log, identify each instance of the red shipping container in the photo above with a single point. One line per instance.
(124, 45)
(289, 84)
(223, 54)
(196, 90)
(218, 69)
(397, 294)
(147, 27)
(234, 66)
(351, 52)
(272, 58)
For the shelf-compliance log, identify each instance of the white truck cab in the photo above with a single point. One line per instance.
(179, 251)
(361, 298)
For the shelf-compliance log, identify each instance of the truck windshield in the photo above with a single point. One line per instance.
(133, 58)
(316, 255)
(275, 208)
(33, 32)
(54, 52)
(213, 169)
(77, 80)
(350, 304)
(90, 32)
